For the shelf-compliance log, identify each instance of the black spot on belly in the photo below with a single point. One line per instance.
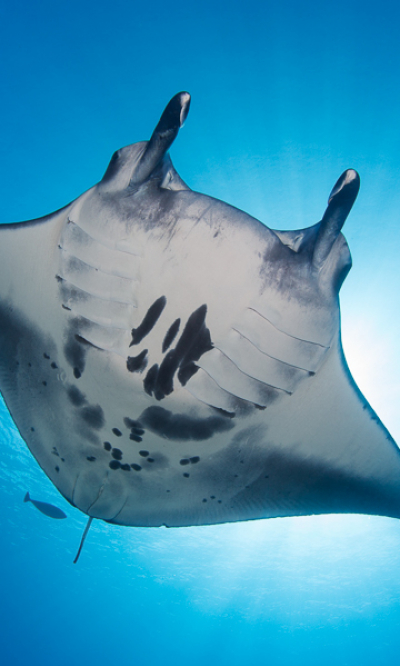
(150, 460)
(90, 458)
(144, 454)
(137, 363)
(57, 468)
(184, 461)
(186, 475)
(182, 427)
(136, 467)
(93, 415)
(204, 500)
(171, 335)
(46, 356)
(107, 446)
(32, 429)
(136, 429)
(150, 319)
(114, 464)
(44, 383)
(126, 467)
(76, 396)
(117, 432)
(194, 460)
(54, 366)
(117, 454)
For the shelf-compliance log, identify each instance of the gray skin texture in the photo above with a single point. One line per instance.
(169, 360)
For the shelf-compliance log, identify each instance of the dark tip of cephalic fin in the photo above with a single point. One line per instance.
(341, 200)
(27, 497)
(172, 119)
(89, 522)
(174, 114)
(346, 187)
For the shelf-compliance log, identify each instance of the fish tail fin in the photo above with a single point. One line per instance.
(27, 498)
(83, 538)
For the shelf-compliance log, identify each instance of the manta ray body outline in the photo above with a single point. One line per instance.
(169, 360)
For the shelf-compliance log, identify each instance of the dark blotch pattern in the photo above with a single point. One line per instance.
(46, 356)
(182, 427)
(171, 335)
(90, 458)
(135, 438)
(57, 468)
(150, 380)
(150, 319)
(186, 475)
(54, 366)
(93, 415)
(144, 454)
(117, 454)
(114, 464)
(126, 467)
(117, 432)
(107, 446)
(194, 341)
(137, 363)
(76, 396)
(137, 468)
(184, 461)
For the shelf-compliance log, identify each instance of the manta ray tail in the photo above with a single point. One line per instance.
(89, 522)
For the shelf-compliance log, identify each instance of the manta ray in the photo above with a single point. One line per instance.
(170, 360)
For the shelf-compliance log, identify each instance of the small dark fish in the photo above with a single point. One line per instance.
(47, 509)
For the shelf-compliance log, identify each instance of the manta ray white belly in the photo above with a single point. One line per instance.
(170, 360)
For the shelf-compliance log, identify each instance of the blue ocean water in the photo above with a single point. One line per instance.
(284, 98)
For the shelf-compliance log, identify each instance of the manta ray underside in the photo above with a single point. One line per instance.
(169, 360)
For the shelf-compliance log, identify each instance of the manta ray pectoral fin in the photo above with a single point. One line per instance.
(172, 119)
(84, 535)
(340, 203)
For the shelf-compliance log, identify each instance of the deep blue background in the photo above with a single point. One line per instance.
(285, 97)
